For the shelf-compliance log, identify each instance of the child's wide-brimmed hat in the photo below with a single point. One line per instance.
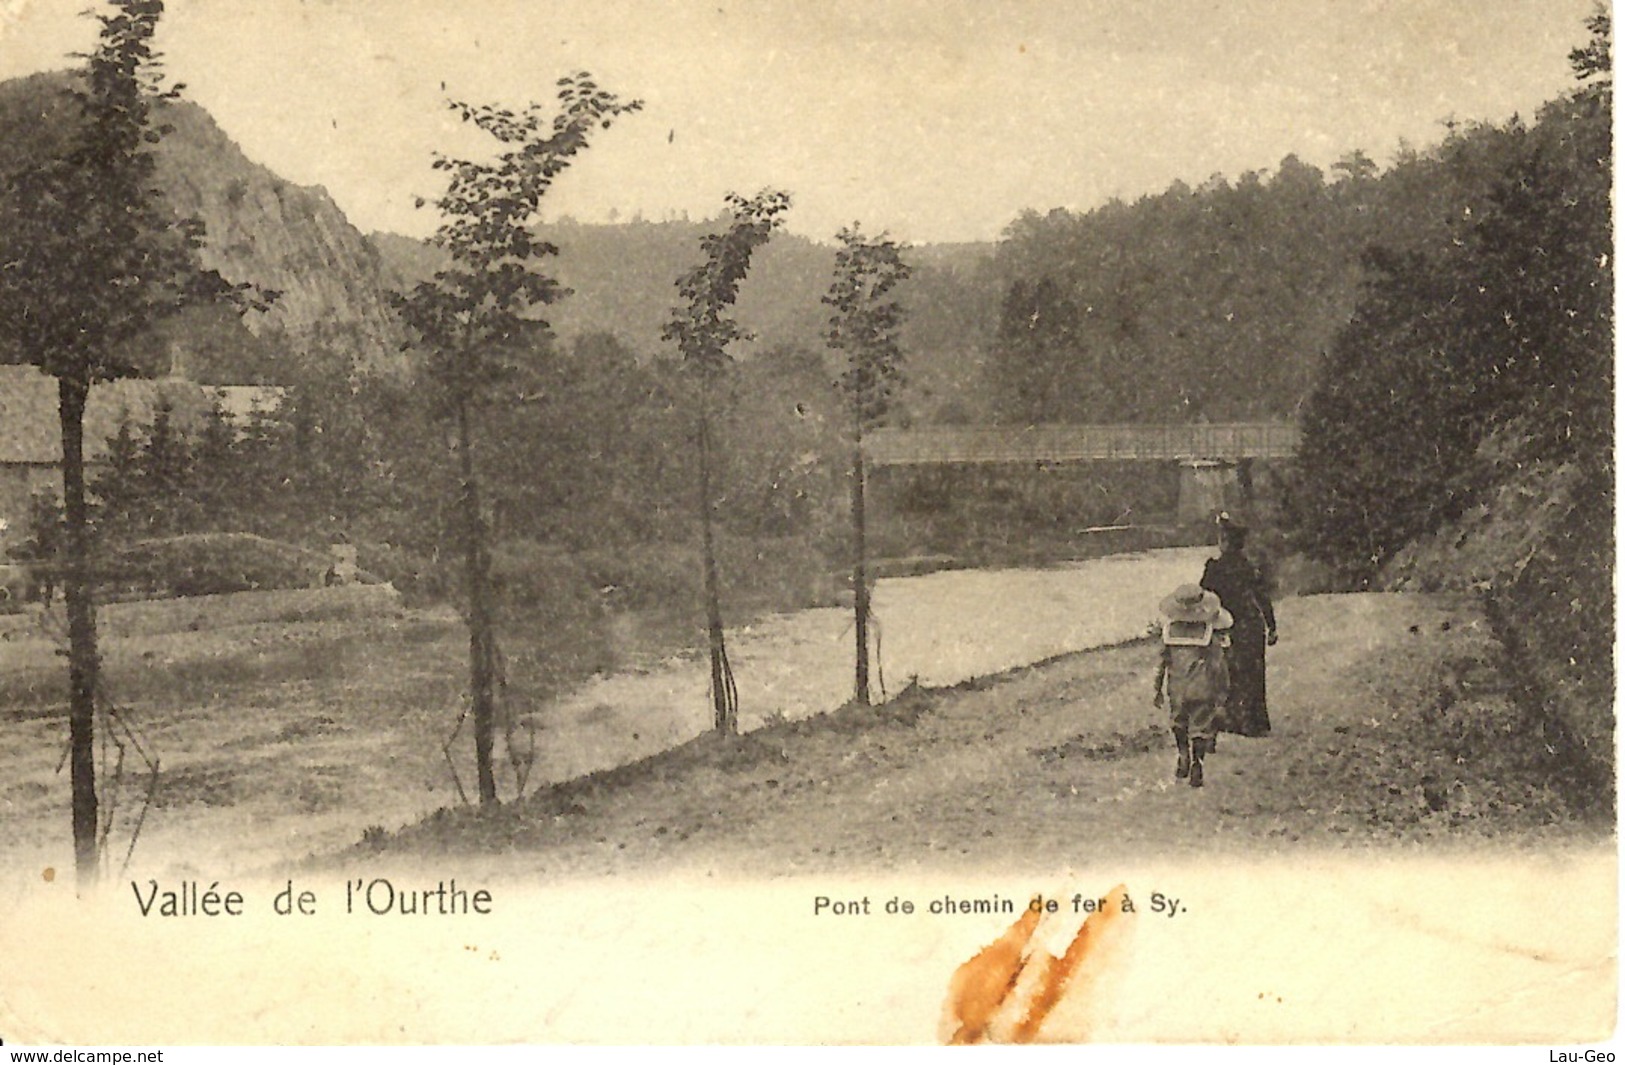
(1192, 602)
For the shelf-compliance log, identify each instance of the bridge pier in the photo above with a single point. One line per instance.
(1207, 486)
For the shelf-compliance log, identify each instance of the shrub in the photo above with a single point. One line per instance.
(535, 578)
(646, 575)
(416, 576)
(212, 564)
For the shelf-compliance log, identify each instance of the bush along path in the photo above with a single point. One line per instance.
(1394, 725)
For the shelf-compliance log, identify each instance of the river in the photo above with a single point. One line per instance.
(941, 628)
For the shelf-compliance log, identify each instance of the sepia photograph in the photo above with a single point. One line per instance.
(885, 523)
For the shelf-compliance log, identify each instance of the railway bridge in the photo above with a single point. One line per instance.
(1209, 455)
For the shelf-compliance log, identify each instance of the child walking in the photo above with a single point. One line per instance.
(1192, 669)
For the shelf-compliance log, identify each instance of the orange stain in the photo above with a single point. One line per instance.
(984, 988)
(980, 986)
(1059, 975)
(49, 874)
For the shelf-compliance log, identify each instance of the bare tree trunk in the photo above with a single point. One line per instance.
(481, 635)
(860, 576)
(83, 659)
(725, 714)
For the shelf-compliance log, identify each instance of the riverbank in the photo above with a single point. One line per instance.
(247, 734)
(1394, 728)
(283, 738)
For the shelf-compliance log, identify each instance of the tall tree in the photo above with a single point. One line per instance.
(864, 327)
(478, 316)
(90, 258)
(214, 486)
(166, 474)
(1499, 329)
(702, 330)
(1036, 355)
(1594, 62)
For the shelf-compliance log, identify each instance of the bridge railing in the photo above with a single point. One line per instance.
(1080, 443)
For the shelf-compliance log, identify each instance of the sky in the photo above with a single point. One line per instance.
(934, 120)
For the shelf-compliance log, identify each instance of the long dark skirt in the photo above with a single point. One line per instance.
(1246, 713)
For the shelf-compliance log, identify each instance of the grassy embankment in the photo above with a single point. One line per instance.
(1395, 725)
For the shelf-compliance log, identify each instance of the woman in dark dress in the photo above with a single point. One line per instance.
(1236, 581)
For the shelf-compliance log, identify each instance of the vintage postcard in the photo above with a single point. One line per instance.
(886, 524)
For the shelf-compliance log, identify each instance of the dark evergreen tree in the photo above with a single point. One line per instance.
(164, 474)
(215, 483)
(118, 487)
(1391, 426)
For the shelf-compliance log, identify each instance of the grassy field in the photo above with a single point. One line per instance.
(280, 722)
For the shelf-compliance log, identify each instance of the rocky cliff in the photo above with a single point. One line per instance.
(261, 229)
(281, 236)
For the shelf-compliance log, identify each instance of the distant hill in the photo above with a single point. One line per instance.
(261, 230)
(335, 283)
(623, 282)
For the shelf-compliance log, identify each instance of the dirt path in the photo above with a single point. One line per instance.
(1391, 726)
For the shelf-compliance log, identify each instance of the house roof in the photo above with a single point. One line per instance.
(30, 432)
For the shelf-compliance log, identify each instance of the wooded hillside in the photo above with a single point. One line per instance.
(1461, 434)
